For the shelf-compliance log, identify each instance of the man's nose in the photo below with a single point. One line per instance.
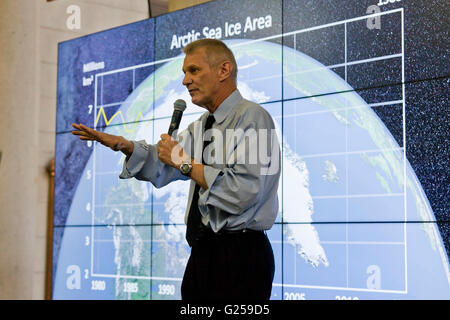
(187, 80)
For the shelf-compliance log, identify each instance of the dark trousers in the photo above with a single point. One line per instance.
(229, 267)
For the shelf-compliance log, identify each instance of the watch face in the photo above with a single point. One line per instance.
(184, 168)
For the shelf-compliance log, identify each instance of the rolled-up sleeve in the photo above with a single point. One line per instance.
(136, 161)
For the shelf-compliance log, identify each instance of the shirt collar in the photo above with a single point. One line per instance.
(227, 106)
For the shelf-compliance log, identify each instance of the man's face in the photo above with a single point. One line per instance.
(201, 80)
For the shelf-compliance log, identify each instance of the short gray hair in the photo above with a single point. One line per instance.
(216, 51)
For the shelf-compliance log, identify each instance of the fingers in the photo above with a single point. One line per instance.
(81, 133)
(87, 138)
(165, 136)
(162, 144)
(84, 133)
(83, 128)
(78, 127)
(92, 132)
(166, 141)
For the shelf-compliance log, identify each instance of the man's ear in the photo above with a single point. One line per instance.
(225, 69)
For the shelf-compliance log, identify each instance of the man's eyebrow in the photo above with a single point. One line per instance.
(189, 67)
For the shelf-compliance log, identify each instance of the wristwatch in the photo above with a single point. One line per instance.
(185, 168)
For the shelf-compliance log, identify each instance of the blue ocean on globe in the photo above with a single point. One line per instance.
(354, 221)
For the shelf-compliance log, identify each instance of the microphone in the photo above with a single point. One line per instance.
(178, 107)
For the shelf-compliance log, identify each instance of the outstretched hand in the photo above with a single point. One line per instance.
(116, 143)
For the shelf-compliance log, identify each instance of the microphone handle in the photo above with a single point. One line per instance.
(175, 122)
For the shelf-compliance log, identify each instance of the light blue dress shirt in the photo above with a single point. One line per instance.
(242, 171)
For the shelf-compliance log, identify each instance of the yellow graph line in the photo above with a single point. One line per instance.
(107, 122)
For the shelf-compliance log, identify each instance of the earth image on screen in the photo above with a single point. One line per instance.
(345, 194)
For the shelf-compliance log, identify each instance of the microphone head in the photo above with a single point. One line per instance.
(179, 105)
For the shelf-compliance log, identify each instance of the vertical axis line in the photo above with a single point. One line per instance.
(93, 178)
(346, 159)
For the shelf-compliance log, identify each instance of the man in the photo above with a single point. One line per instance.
(232, 198)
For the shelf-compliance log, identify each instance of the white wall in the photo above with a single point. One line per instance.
(29, 33)
(19, 144)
